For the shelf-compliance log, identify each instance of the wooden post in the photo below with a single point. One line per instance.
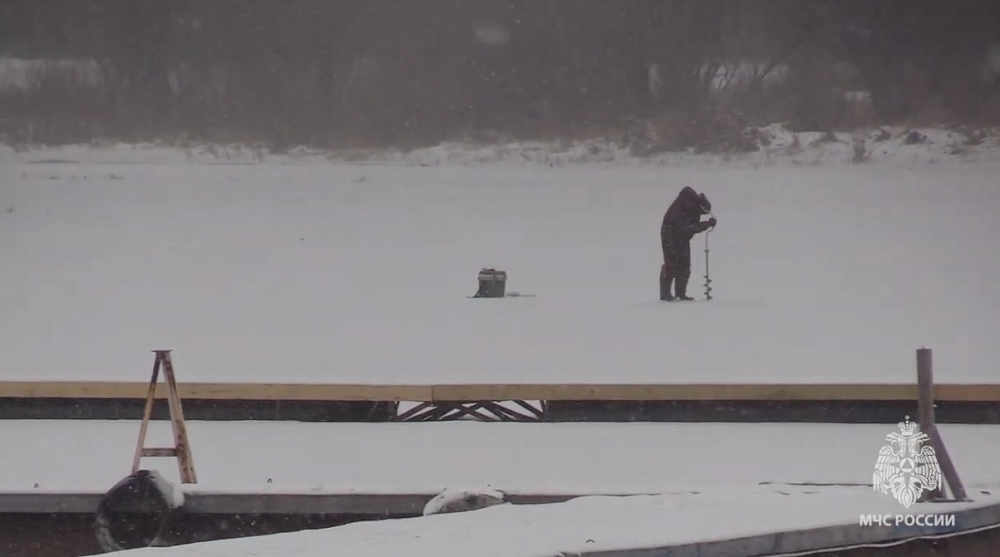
(925, 389)
(182, 448)
(146, 413)
(925, 405)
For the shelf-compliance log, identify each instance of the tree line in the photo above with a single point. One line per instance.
(340, 73)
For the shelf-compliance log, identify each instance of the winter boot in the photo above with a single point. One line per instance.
(665, 279)
(681, 289)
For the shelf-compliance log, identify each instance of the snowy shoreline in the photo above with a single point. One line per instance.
(776, 146)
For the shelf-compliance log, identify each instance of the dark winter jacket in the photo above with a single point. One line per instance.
(681, 221)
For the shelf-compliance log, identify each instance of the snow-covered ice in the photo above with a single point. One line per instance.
(331, 272)
(581, 525)
(311, 271)
(426, 458)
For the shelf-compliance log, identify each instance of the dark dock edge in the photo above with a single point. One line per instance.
(728, 411)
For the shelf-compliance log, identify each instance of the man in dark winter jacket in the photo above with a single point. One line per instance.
(681, 222)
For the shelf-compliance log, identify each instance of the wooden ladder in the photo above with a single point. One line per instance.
(181, 449)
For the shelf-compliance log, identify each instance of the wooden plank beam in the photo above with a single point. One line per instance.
(215, 391)
(988, 393)
(474, 392)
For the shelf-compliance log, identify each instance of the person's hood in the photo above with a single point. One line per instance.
(691, 199)
(688, 197)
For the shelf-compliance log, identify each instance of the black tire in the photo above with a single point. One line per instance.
(134, 513)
